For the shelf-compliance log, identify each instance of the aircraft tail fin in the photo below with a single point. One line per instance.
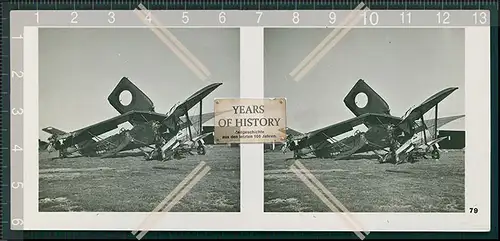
(374, 103)
(139, 100)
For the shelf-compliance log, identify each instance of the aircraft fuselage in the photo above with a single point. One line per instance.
(375, 138)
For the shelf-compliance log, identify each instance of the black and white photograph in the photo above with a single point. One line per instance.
(375, 120)
(126, 119)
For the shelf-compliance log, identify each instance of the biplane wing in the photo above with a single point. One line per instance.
(418, 112)
(135, 116)
(122, 145)
(181, 109)
(197, 120)
(141, 135)
(54, 131)
(202, 136)
(345, 126)
(293, 132)
(432, 124)
(102, 127)
(437, 140)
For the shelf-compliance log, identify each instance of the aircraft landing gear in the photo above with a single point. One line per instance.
(177, 155)
(386, 158)
(62, 154)
(393, 159)
(435, 154)
(382, 159)
(411, 159)
(323, 154)
(201, 149)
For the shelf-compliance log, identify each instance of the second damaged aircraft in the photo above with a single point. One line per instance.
(403, 139)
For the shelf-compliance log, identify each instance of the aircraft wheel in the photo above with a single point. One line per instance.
(384, 158)
(201, 150)
(177, 155)
(404, 157)
(411, 159)
(435, 154)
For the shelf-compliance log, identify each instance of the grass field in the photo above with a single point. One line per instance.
(366, 186)
(130, 184)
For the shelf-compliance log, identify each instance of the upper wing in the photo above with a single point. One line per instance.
(53, 131)
(428, 104)
(290, 131)
(440, 122)
(107, 125)
(345, 126)
(185, 106)
(437, 140)
(200, 137)
(196, 119)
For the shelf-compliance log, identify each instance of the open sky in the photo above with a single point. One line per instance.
(78, 69)
(405, 66)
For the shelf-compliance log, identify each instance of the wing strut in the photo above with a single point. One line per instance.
(201, 113)
(424, 129)
(436, 122)
(189, 125)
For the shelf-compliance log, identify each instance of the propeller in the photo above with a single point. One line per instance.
(284, 148)
(289, 141)
(50, 147)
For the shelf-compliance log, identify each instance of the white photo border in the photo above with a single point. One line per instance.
(252, 216)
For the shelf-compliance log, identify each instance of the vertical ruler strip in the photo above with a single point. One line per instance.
(16, 112)
(30, 98)
(252, 86)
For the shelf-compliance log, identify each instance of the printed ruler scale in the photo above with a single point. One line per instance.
(250, 5)
(113, 14)
(263, 18)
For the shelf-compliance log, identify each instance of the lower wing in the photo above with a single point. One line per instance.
(334, 130)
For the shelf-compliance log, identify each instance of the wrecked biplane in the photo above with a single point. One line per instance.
(155, 134)
(401, 139)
